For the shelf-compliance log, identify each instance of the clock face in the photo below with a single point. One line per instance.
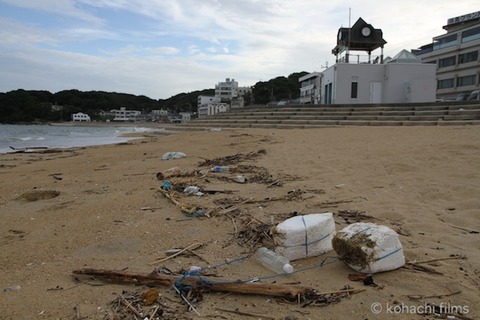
(366, 31)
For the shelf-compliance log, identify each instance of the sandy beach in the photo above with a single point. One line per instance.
(101, 207)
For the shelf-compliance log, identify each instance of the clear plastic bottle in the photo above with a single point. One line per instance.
(221, 169)
(273, 261)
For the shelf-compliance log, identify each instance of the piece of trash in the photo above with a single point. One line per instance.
(195, 269)
(168, 173)
(173, 155)
(192, 190)
(221, 169)
(240, 179)
(369, 248)
(304, 236)
(215, 129)
(368, 281)
(273, 261)
(12, 288)
(357, 277)
(166, 185)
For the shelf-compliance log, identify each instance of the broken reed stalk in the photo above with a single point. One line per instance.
(212, 284)
(439, 296)
(175, 254)
(182, 207)
(457, 257)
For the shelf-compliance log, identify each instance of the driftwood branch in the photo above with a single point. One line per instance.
(208, 283)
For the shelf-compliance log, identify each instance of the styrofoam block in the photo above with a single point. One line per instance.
(369, 248)
(304, 236)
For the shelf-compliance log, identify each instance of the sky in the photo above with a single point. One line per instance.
(159, 48)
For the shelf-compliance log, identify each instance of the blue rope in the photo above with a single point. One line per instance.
(184, 289)
(306, 235)
(388, 254)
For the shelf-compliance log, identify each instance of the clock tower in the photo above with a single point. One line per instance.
(360, 37)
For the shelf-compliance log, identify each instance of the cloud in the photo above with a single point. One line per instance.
(60, 7)
(160, 48)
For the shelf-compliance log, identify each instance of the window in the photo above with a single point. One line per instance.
(446, 62)
(471, 34)
(466, 81)
(445, 42)
(354, 91)
(468, 57)
(445, 83)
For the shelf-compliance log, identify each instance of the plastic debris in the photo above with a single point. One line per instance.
(166, 185)
(273, 261)
(305, 236)
(369, 248)
(173, 155)
(221, 169)
(240, 179)
(192, 190)
(12, 288)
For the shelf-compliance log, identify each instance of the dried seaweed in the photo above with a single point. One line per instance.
(353, 216)
(352, 250)
(253, 232)
(143, 304)
(232, 159)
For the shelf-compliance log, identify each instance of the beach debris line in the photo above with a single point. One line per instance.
(37, 150)
(192, 284)
(206, 283)
(232, 159)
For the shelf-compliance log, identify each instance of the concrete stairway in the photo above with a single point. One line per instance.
(312, 116)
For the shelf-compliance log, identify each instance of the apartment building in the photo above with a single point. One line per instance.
(310, 88)
(456, 56)
(226, 90)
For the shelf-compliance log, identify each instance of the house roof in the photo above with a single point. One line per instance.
(405, 56)
(355, 38)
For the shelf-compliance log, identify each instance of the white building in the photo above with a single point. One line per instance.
(403, 79)
(456, 56)
(125, 115)
(186, 116)
(227, 95)
(226, 90)
(359, 79)
(206, 100)
(82, 117)
(212, 108)
(310, 88)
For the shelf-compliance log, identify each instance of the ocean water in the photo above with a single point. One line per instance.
(59, 136)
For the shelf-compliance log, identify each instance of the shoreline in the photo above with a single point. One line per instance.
(33, 137)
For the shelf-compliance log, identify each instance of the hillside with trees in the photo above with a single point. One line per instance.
(27, 106)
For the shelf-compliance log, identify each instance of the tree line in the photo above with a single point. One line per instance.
(26, 106)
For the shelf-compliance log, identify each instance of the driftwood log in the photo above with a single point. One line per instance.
(291, 292)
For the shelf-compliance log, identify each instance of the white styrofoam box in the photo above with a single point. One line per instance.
(369, 248)
(304, 236)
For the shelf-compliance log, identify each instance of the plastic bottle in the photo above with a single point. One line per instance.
(273, 261)
(220, 169)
